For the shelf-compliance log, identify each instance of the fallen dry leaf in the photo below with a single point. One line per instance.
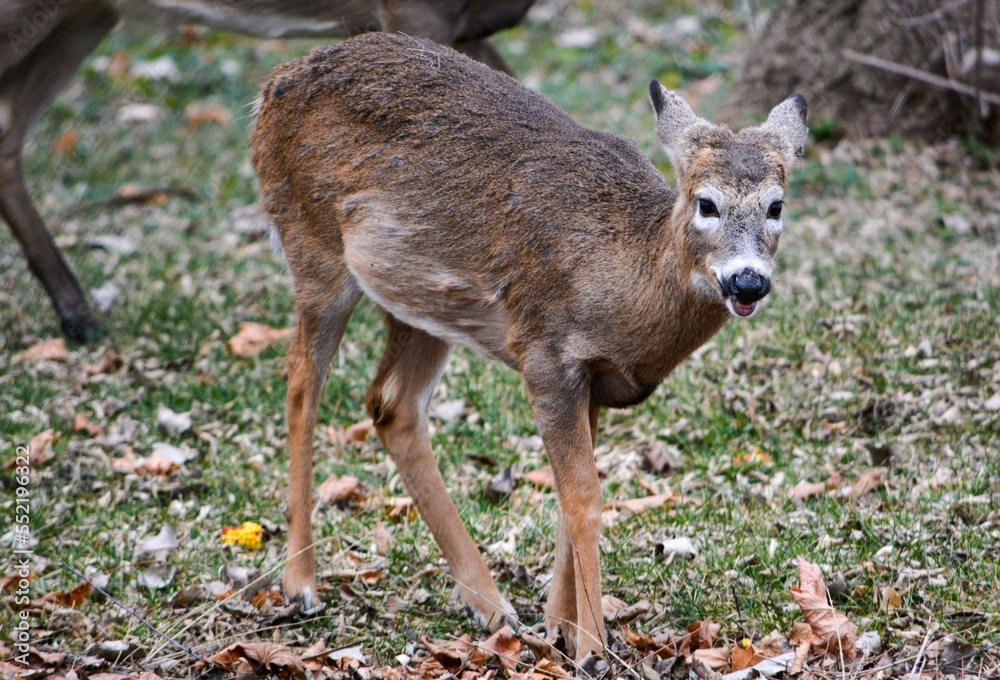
(83, 425)
(12, 582)
(451, 656)
(634, 506)
(871, 480)
(506, 647)
(315, 656)
(541, 478)
(610, 606)
(804, 489)
(681, 546)
(197, 116)
(660, 458)
(663, 644)
(73, 598)
(384, 541)
(890, 599)
(47, 350)
(38, 449)
(832, 630)
(66, 142)
(641, 641)
(259, 658)
(111, 362)
(700, 635)
(633, 611)
(110, 676)
(800, 631)
(745, 657)
(801, 654)
(770, 646)
(158, 466)
(338, 489)
(266, 601)
(128, 463)
(399, 509)
(715, 658)
(358, 433)
(254, 338)
(135, 194)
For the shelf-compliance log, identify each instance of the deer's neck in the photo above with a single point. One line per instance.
(686, 314)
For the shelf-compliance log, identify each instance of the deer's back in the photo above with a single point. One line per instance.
(453, 184)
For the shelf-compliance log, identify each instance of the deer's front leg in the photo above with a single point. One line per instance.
(564, 421)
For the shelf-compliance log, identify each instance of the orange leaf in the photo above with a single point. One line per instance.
(700, 635)
(662, 645)
(506, 647)
(66, 142)
(9, 584)
(641, 641)
(833, 631)
(47, 350)
(197, 116)
(82, 424)
(745, 657)
(541, 478)
(73, 598)
(254, 338)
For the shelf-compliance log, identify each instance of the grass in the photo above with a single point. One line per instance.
(882, 332)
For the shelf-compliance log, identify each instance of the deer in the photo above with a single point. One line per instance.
(44, 42)
(475, 212)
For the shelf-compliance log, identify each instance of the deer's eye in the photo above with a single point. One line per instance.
(707, 208)
(774, 212)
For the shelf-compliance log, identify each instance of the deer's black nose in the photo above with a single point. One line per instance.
(747, 286)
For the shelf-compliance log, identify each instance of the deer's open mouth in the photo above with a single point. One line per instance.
(744, 309)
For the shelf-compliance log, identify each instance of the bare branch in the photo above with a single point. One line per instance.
(939, 13)
(927, 78)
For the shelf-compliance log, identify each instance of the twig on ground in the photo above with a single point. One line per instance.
(138, 617)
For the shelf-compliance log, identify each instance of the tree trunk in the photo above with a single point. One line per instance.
(813, 46)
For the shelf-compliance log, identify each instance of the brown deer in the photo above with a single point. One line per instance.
(475, 212)
(43, 43)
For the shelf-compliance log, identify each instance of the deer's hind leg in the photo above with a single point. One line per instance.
(397, 401)
(324, 300)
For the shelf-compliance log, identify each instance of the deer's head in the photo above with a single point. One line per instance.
(731, 192)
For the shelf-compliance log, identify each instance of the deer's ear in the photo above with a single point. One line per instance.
(788, 119)
(673, 118)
